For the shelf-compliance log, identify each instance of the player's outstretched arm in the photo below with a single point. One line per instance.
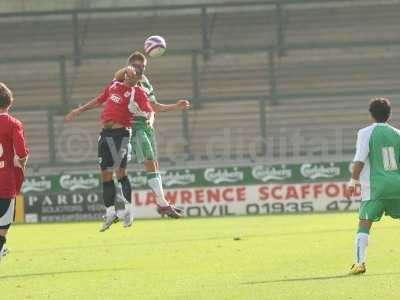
(179, 105)
(92, 104)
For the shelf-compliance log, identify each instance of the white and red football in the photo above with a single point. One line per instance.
(155, 46)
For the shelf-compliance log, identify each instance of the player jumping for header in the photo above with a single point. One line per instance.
(124, 101)
(143, 133)
(113, 144)
(376, 168)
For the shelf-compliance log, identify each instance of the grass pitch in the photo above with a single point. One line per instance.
(269, 257)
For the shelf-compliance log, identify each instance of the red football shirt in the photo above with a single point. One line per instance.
(116, 97)
(12, 142)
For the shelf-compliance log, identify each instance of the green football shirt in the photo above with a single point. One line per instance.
(148, 88)
(378, 146)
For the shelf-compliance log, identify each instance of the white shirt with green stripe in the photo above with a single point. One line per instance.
(148, 88)
(378, 147)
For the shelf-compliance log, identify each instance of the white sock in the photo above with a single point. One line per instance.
(110, 210)
(128, 206)
(361, 247)
(120, 193)
(156, 185)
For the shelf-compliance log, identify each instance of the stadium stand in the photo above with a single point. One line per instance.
(327, 84)
(34, 83)
(87, 80)
(36, 36)
(36, 131)
(236, 28)
(225, 130)
(362, 21)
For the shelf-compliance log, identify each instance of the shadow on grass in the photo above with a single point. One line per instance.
(64, 272)
(319, 278)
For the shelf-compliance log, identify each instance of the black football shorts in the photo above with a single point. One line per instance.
(114, 148)
(7, 212)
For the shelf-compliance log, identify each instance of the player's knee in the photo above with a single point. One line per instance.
(150, 166)
(365, 223)
(120, 172)
(106, 176)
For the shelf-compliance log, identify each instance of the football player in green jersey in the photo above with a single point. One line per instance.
(143, 136)
(376, 168)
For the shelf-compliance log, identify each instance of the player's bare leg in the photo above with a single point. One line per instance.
(109, 194)
(155, 183)
(362, 238)
(125, 193)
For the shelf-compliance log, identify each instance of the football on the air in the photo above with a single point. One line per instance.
(155, 46)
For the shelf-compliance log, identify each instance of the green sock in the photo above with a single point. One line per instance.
(363, 230)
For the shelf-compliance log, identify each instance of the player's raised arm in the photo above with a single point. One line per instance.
(181, 104)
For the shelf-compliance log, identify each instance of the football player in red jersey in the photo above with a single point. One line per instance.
(113, 144)
(13, 157)
(121, 100)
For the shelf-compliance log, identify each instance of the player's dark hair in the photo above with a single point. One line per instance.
(6, 96)
(380, 109)
(137, 56)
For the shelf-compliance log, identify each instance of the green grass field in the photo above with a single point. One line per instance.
(276, 257)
